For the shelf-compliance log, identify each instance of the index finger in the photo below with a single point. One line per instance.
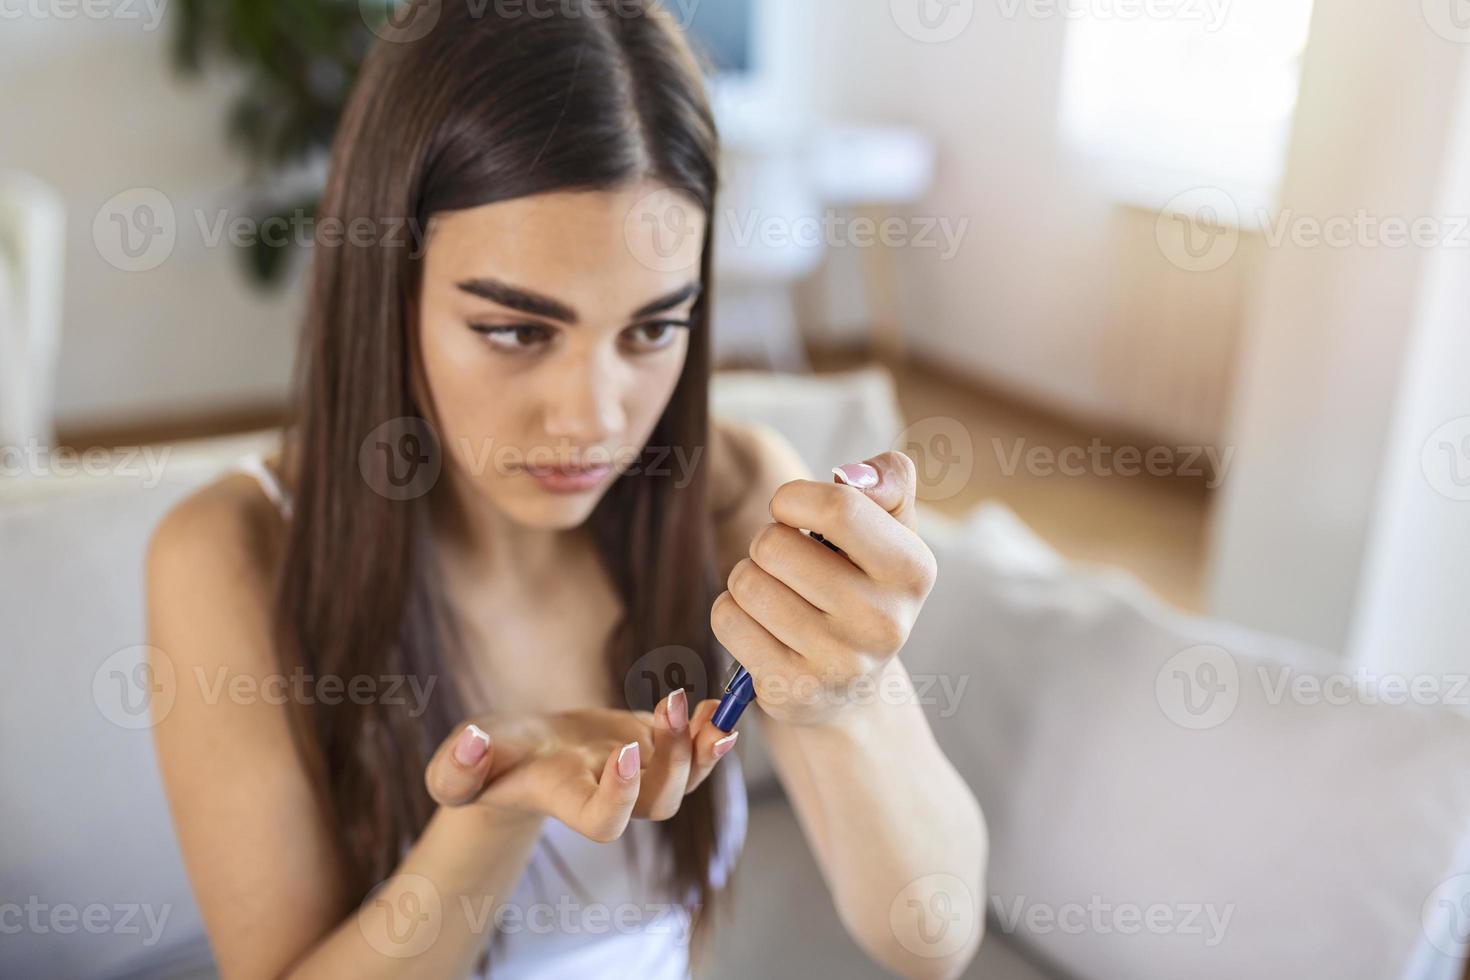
(872, 538)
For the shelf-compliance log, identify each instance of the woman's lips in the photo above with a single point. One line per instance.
(569, 479)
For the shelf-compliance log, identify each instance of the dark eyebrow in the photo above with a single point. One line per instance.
(519, 299)
(677, 297)
(537, 305)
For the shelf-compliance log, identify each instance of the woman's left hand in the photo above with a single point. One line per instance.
(811, 626)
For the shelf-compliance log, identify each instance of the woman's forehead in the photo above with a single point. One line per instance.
(600, 249)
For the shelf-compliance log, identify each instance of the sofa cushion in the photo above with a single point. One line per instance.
(84, 818)
(1166, 794)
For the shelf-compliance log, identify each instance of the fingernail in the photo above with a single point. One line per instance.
(725, 744)
(471, 746)
(859, 475)
(628, 761)
(678, 710)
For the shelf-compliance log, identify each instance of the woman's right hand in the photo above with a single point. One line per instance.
(593, 770)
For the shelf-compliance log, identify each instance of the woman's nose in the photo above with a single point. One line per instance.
(583, 401)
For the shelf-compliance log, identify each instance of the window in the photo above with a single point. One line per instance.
(1184, 93)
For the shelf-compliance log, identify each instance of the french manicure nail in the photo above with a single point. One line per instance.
(471, 746)
(859, 475)
(628, 761)
(725, 744)
(678, 710)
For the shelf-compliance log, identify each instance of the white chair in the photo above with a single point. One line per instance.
(32, 254)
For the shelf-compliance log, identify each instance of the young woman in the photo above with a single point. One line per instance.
(412, 734)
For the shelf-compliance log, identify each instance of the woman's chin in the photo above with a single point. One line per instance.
(553, 511)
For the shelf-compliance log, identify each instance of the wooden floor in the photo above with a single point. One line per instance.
(1154, 527)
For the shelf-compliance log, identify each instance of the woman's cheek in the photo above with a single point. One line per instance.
(654, 388)
(460, 371)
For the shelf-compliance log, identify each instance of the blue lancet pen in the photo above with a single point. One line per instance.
(741, 689)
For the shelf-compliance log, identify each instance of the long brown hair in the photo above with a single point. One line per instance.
(486, 106)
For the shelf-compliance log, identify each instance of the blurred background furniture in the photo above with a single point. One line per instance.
(1319, 833)
(791, 197)
(32, 233)
(785, 175)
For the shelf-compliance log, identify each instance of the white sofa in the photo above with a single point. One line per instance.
(1297, 840)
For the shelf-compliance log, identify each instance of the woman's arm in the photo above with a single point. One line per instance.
(899, 836)
(259, 855)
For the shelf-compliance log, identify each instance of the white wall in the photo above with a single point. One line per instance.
(1324, 349)
(1056, 294)
(1049, 294)
(1027, 298)
(1411, 612)
(94, 108)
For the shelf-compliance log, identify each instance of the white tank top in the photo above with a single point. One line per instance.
(583, 908)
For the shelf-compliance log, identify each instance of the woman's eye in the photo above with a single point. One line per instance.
(655, 335)
(520, 337)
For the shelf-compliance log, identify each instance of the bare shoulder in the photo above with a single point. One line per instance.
(214, 556)
(748, 463)
(257, 847)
